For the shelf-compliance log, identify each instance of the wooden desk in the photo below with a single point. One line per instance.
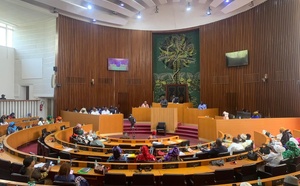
(191, 114)
(141, 114)
(180, 109)
(3, 128)
(208, 127)
(167, 115)
(105, 124)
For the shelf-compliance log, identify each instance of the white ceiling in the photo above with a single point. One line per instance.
(156, 14)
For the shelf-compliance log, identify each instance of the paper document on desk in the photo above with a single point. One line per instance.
(39, 165)
(67, 149)
(181, 153)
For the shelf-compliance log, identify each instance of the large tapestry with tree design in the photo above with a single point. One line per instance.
(176, 61)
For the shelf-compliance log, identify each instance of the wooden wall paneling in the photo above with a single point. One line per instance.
(269, 31)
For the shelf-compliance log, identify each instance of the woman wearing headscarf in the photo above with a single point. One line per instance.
(275, 155)
(117, 155)
(292, 150)
(145, 155)
(173, 155)
(11, 128)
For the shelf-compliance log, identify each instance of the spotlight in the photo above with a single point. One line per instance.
(227, 1)
(188, 7)
(251, 4)
(208, 11)
(94, 20)
(121, 4)
(89, 7)
(139, 16)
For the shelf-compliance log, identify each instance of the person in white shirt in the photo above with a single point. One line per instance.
(105, 111)
(248, 140)
(145, 105)
(83, 111)
(275, 155)
(202, 106)
(235, 146)
(41, 121)
(95, 111)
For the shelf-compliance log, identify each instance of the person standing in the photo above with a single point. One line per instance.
(163, 102)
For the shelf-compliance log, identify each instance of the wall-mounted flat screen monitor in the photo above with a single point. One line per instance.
(118, 64)
(236, 59)
(242, 114)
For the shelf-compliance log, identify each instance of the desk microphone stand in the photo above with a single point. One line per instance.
(133, 132)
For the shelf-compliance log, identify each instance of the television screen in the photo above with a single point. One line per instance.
(242, 114)
(118, 64)
(238, 58)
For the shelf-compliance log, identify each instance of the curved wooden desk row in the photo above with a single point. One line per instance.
(3, 128)
(11, 144)
(63, 138)
(19, 120)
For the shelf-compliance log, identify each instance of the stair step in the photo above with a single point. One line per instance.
(187, 131)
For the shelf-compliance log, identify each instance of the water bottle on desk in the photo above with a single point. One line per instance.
(259, 181)
(58, 160)
(96, 163)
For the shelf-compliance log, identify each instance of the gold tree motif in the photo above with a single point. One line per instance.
(177, 52)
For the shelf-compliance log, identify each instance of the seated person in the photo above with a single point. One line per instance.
(41, 121)
(95, 111)
(292, 151)
(11, 128)
(58, 119)
(83, 111)
(153, 135)
(125, 136)
(219, 148)
(12, 116)
(247, 141)
(256, 114)
(77, 130)
(105, 111)
(49, 120)
(117, 155)
(286, 135)
(145, 105)
(97, 142)
(65, 174)
(163, 102)
(275, 155)
(174, 99)
(235, 146)
(145, 155)
(290, 180)
(35, 174)
(202, 106)
(173, 155)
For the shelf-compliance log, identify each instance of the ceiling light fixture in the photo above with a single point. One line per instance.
(251, 4)
(121, 4)
(227, 1)
(139, 16)
(188, 7)
(94, 21)
(89, 7)
(208, 11)
(156, 9)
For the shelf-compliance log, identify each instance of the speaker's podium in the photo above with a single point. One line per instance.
(167, 115)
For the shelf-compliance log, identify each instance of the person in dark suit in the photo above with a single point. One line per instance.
(219, 148)
(163, 102)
